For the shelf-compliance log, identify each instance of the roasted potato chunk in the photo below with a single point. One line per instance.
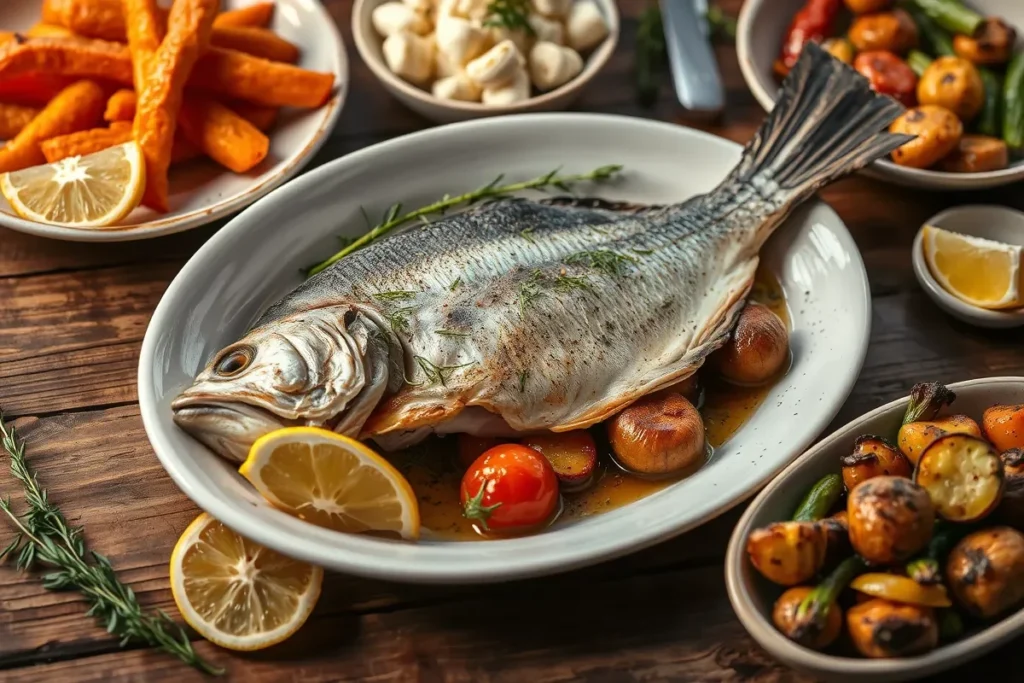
(787, 619)
(1011, 510)
(879, 628)
(992, 43)
(915, 437)
(1004, 426)
(977, 154)
(938, 131)
(891, 519)
(894, 31)
(788, 553)
(954, 84)
(963, 476)
(873, 456)
(985, 571)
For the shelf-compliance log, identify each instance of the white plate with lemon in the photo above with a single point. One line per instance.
(97, 199)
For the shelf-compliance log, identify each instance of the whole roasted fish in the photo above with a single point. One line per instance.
(520, 316)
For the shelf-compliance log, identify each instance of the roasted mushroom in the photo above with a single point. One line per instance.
(954, 84)
(789, 553)
(1011, 510)
(873, 456)
(879, 628)
(937, 131)
(962, 475)
(894, 31)
(915, 437)
(992, 42)
(788, 619)
(985, 571)
(658, 435)
(758, 349)
(891, 519)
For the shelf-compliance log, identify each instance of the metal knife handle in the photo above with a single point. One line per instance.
(694, 69)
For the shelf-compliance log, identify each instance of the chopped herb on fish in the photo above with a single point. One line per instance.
(438, 373)
(642, 252)
(529, 290)
(455, 284)
(567, 283)
(396, 295)
(492, 189)
(527, 234)
(605, 260)
(452, 333)
(522, 380)
(399, 318)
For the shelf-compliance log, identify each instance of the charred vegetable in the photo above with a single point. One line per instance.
(758, 348)
(786, 617)
(879, 628)
(814, 22)
(954, 84)
(937, 132)
(933, 38)
(1011, 510)
(985, 571)
(873, 456)
(573, 456)
(789, 553)
(816, 614)
(888, 74)
(951, 15)
(840, 48)
(863, 6)
(991, 43)
(1004, 426)
(895, 588)
(658, 435)
(989, 119)
(1013, 103)
(891, 519)
(894, 31)
(963, 476)
(915, 437)
(927, 569)
(819, 499)
(926, 400)
(976, 154)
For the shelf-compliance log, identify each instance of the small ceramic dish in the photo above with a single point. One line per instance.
(423, 102)
(752, 596)
(202, 191)
(762, 25)
(987, 221)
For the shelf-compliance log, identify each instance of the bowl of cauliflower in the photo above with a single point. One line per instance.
(453, 60)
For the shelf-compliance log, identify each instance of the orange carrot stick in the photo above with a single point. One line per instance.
(85, 142)
(102, 19)
(189, 26)
(67, 57)
(258, 42)
(222, 134)
(51, 30)
(120, 106)
(257, 14)
(14, 118)
(77, 107)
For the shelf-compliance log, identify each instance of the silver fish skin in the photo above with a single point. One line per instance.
(519, 316)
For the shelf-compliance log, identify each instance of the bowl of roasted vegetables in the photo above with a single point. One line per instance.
(956, 65)
(893, 549)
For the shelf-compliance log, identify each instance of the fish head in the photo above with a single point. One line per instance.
(325, 367)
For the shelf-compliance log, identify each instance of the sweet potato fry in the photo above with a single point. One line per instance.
(160, 92)
(66, 57)
(77, 107)
(33, 90)
(223, 135)
(120, 106)
(51, 30)
(258, 42)
(85, 142)
(257, 14)
(103, 19)
(14, 118)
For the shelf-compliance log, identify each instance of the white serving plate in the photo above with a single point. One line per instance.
(202, 191)
(256, 259)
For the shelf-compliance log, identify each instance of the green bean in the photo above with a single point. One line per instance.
(812, 614)
(918, 61)
(988, 120)
(1013, 103)
(938, 40)
(951, 15)
(820, 499)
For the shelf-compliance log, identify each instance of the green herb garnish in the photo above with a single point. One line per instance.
(452, 333)
(529, 290)
(527, 234)
(567, 283)
(522, 380)
(510, 14)
(455, 284)
(609, 262)
(397, 295)
(437, 373)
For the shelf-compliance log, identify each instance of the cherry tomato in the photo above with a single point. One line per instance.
(472, 447)
(888, 75)
(509, 487)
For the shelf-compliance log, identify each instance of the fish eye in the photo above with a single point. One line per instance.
(233, 362)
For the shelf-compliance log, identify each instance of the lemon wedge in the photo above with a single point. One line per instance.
(332, 481)
(981, 272)
(236, 593)
(94, 191)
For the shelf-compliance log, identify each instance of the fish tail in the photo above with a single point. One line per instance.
(826, 123)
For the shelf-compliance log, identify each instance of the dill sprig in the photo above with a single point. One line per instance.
(397, 295)
(523, 376)
(609, 262)
(529, 290)
(567, 283)
(437, 373)
(452, 333)
(492, 190)
(44, 537)
(527, 234)
(510, 14)
(399, 318)
(455, 284)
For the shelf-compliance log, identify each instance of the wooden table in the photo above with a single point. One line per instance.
(72, 318)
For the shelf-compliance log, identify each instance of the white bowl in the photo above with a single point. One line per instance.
(423, 102)
(979, 220)
(752, 596)
(202, 191)
(256, 259)
(759, 34)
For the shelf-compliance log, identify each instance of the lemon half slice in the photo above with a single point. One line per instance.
(94, 191)
(981, 272)
(236, 593)
(332, 481)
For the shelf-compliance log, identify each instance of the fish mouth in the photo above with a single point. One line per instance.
(228, 428)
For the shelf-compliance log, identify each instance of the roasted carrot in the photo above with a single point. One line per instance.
(261, 117)
(13, 118)
(51, 30)
(77, 107)
(258, 42)
(228, 73)
(160, 92)
(120, 106)
(257, 14)
(223, 135)
(102, 19)
(33, 90)
(85, 142)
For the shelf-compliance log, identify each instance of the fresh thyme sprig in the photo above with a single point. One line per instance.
(399, 318)
(510, 14)
(567, 283)
(437, 373)
(44, 537)
(490, 191)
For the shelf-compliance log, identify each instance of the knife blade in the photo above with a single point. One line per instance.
(695, 72)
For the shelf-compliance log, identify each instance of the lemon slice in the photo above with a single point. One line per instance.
(93, 191)
(236, 593)
(332, 481)
(981, 272)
